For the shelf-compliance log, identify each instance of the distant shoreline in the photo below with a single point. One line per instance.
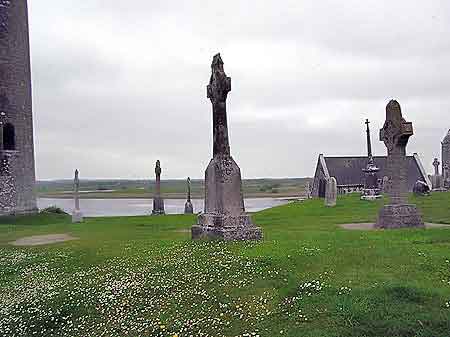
(150, 196)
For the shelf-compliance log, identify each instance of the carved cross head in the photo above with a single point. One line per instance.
(158, 167)
(76, 180)
(436, 163)
(396, 131)
(219, 83)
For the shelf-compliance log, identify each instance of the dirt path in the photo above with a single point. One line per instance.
(370, 226)
(39, 240)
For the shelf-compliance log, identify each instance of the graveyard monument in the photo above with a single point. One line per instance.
(437, 180)
(188, 207)
(158, 201)
(224, 216)
(395, 135)
(77, 215)
(371, 189)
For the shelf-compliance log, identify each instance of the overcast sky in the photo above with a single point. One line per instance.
(120, 84)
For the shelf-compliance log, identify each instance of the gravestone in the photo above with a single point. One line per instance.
(158, 201)
(224, 216)
(308, 191)
(371, 189)
(395, 135)
(188, 207)
(331, 192)
(77, 215)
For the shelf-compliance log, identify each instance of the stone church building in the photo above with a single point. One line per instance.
(349, 174)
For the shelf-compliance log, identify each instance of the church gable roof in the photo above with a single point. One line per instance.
(349, 170)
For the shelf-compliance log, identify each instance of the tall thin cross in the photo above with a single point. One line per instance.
(76, 189)
(158, 177)
(217, 91)
(189, 189)
(369, 142)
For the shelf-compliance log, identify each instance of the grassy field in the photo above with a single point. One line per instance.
(171, 189)
(142, 276)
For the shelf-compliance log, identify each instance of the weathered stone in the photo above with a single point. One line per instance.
(331, 192)
(188, 207)
(421, 188)
(446, 160)
(372, 189)
(395, 135)
(224, 217)
(158, 201)
(77, 215)
(17, 174)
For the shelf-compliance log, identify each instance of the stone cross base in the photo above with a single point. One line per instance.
(399, 216)
(188, 208)
(77, 216)
(158, 206)
(371, 194)
(226, 227)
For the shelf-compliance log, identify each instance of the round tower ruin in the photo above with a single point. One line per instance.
(17, 171)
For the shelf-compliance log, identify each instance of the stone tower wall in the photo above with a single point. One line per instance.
(446, 156)
(17, 171)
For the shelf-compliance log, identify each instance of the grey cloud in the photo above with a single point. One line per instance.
(118, 85)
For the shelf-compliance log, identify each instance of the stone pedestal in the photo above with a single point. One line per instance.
(226, 227)
(188, 208)
(224, 216)
(371, 195)
(77, 216)
(158, 206)
(399, 216)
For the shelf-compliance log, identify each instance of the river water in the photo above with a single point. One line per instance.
(130, 207)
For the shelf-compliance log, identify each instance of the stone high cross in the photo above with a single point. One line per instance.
(395, 135)
(224, 214)
(76, 189)
(188, 207)
(436, 164)
(189, 189)
(217, 91)
(77, 216)
(158, 177)
(369, 142)
(158, 201)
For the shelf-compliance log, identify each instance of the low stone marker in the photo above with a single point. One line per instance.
(395, 135)
(77, 215)
(331, 192)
